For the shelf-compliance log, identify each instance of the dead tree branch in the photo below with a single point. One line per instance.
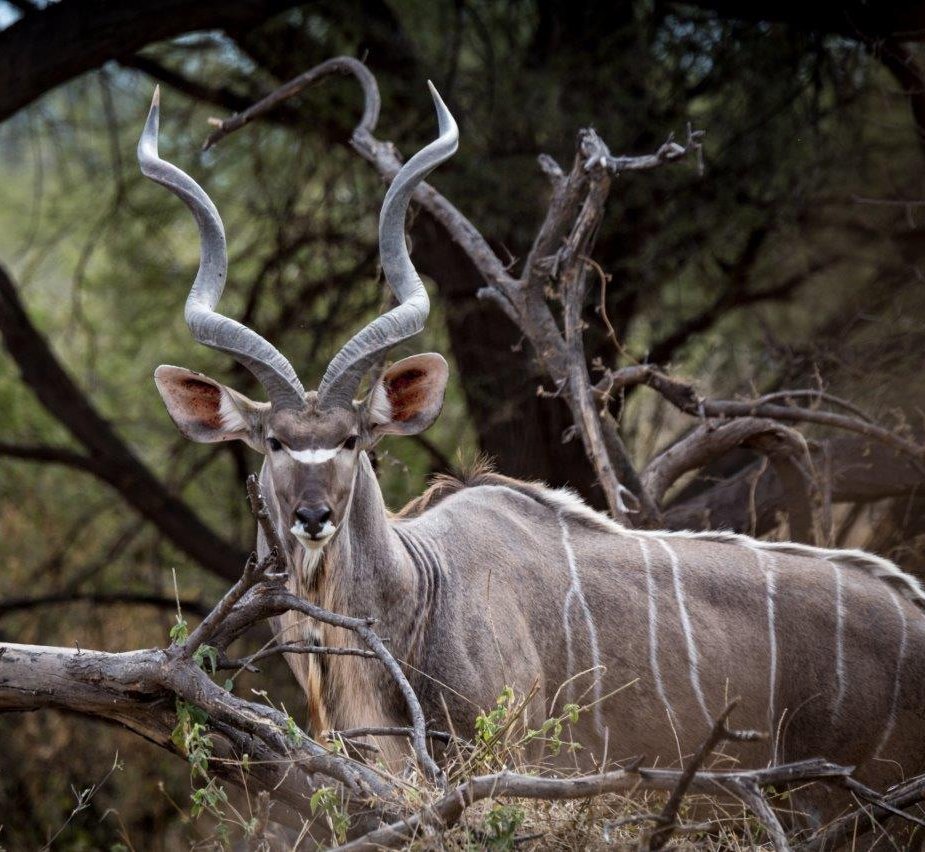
(448, 810)
(684, 397)
(718, 733)
(138, 689)
(107, 455)
(291, 648)
(858, 823)
(748, 786)
(558, 259)
(556, 270)
(861, 471)
(126, 687)
(353, 733)
(785, 448)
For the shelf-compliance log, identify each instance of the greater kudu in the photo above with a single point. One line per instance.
(496, 582)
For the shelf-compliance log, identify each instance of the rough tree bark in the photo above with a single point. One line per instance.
(556, 271)
(521, 431)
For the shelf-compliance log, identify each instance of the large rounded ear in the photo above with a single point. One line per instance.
(207, 411)
(408, 396)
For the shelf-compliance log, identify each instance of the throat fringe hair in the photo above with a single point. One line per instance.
(310, 568)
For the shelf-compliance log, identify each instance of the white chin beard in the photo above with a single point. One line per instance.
(313, 543)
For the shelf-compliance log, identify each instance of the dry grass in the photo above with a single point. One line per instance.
(505, 741)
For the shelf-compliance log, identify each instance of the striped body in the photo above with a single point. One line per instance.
(509, 583)
(503, 583)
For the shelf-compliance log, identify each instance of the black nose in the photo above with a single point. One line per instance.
(313, 518)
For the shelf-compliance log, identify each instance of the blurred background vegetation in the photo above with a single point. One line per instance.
(795, 260)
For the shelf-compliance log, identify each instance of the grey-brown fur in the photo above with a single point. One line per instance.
(502, 583)
(470, 590)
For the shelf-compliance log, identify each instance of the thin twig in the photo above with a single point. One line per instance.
(684, 397)
(718, 733)
(385, 731)
(292, 648)
(262, 514)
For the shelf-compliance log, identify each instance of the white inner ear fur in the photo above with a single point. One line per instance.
(231, 418)
(379, 407)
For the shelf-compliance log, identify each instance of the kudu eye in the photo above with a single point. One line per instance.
(350, 442)
(274, 444)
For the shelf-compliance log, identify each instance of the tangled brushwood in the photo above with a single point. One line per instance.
(494, 789)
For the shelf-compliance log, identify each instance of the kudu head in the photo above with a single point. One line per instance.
(311, 440)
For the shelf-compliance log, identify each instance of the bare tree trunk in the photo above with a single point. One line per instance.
(518, 429)
(107, 455)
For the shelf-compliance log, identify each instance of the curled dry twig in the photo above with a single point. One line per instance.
(563, 241)
(557, 263)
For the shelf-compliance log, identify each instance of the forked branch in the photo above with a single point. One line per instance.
(139, 690)
(558, 260)
(556, 267)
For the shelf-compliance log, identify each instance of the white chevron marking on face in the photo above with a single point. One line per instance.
(313, 456)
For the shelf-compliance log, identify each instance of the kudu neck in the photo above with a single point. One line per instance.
(367, 570)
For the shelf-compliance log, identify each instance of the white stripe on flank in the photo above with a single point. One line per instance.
(575, 594)
(841, 676)
(693, 661)
(768, 564)
(313, 456)
(569, 653)
(653, 630)
(910, 587)
(771, 586)
(900, 658)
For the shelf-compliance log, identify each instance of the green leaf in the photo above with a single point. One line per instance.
(503, 822)
(179, 633)
(321, 799)
(203, 653)
(293, 731)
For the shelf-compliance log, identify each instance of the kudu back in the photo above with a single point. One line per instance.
(493, 582)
